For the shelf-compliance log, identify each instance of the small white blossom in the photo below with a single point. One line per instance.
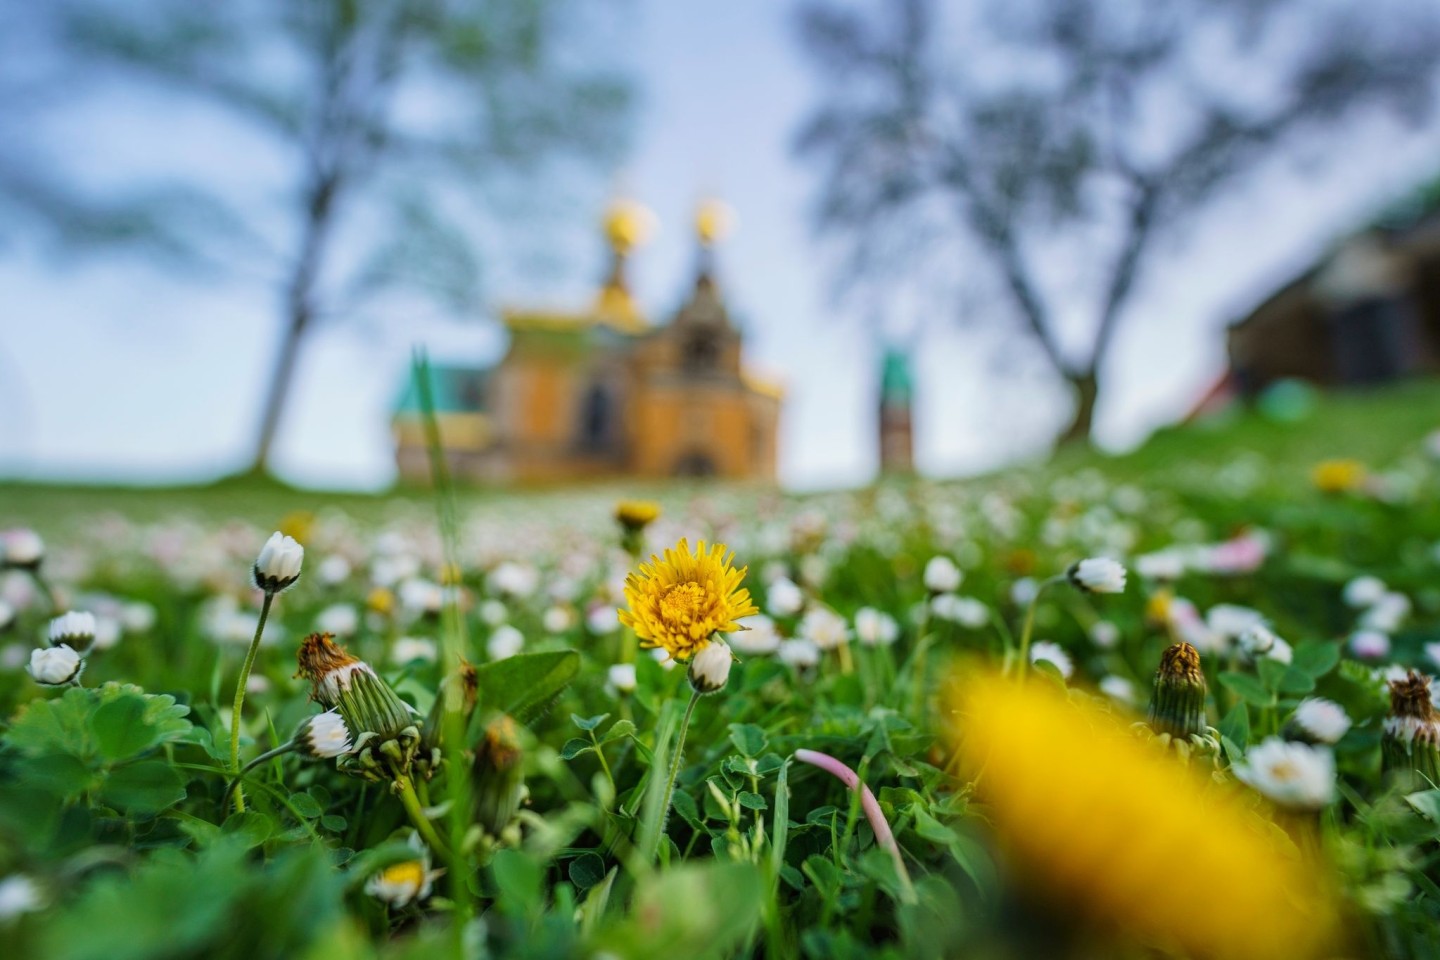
(514, 579)
(621, 678)
(1323, 720)
(1229, 621)
(557, 619)
(1105, 635)
(875, 628)
(1098, 575)
(942, 576)
(1024, 591)
(54, 666)
(278, 565)
(759, 639)
(966, 611)
(410, 649)
(601, 619)
(1370, 645)
(341, 619)
(421, 597)
(784, 598)
(1118, 688)
(18, 894)
(662, 656)
(505, 642)
(1163, 565)
(1363, 591)
(1387, 613)
(824, 627)
(1289, 773)
(333, 570)
(710, 668)
(138, 617)
(494, 612)
(799, 654)
(1053, 654)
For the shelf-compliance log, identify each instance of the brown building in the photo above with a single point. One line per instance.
(1367, 313)
(601, 393)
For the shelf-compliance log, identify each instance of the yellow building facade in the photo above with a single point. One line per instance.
(603, 393)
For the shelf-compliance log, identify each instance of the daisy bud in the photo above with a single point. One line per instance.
(55, 666)
(75, 629)
(1097, 575)
(1410, 741)
(323, 736)
(1177, 705)
(498, 775)
(21, 549)
(710, 668)
(278, 565)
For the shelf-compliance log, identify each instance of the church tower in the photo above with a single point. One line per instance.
(897, 390)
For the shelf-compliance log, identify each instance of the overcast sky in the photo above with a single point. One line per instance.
(114, 370)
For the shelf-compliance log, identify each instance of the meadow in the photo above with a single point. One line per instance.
(1174, 703)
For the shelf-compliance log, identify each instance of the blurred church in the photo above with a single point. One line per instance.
(601, 391)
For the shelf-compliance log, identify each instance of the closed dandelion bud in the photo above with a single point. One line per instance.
(1177, 706)
(1097, 575)
(710, 668)
(75, 630)
(1411, 738)
(323, 736)
(468, 690)
(634, 516)
(278, 565)
(499, 775)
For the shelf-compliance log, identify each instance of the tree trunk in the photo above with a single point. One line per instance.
(279, 389)
(1087, 391)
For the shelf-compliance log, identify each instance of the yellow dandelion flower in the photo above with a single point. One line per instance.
(680, 602)
(1103, 824)
(1338, 476)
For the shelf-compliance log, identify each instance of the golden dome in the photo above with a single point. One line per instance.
(627, 225)
(713, 220)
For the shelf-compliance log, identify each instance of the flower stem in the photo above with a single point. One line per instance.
(284, 748)
(674, 772)
(239, 704)
(406, 791)
(1029, 628)
(884, 837)
(48, 590)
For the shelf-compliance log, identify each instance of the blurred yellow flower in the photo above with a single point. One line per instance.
(680, 602)
(1338, 476)
(298, 524)
(636, 514)
(1101, 822)
(381, 600)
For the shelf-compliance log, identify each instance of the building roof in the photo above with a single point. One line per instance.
(455, 388)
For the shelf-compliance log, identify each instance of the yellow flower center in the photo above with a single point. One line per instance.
(411, 873)
(683, 604)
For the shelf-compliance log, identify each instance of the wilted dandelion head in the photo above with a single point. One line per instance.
(679, 602)
(1410, 697)
(1104, 825)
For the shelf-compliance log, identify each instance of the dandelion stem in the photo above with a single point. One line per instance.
(239, 704)
(281, 750)
(406, 791)
(674, 772)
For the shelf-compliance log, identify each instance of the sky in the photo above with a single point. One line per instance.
(115, 370)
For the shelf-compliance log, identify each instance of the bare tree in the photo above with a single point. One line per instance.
(391, 117)
(1082, 130)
